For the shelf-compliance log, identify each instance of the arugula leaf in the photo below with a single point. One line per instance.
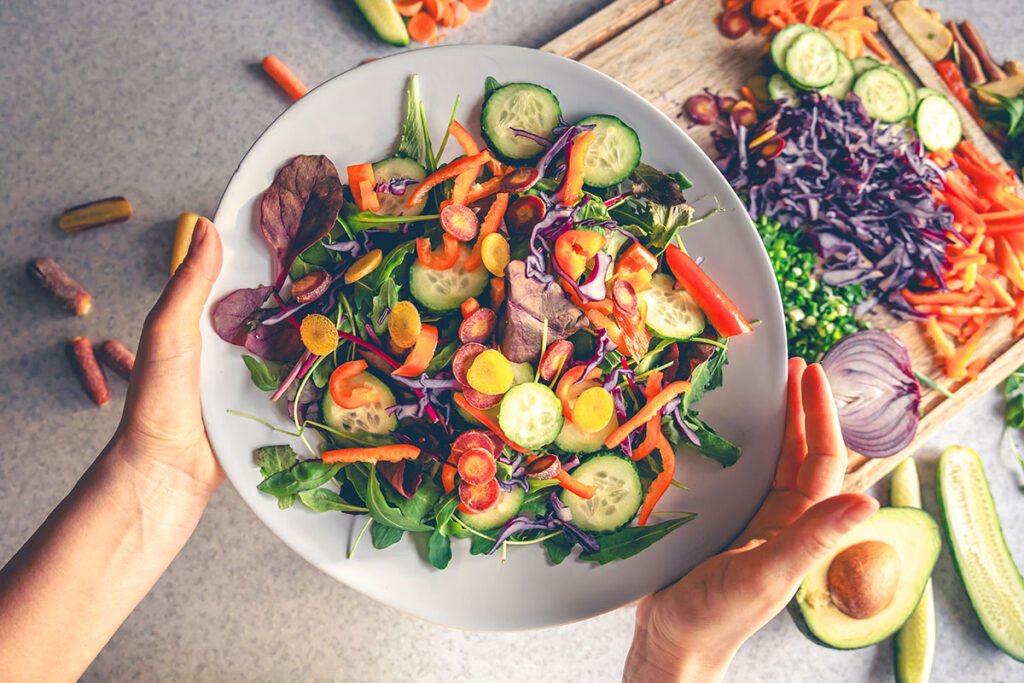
(1013, 398)
(443, 357)
(439, 550)
(592, 207)
(302, 476)
(274, 459)
(326, 500)
(410, 141)
(384, 535)
(705, 377)
(657, 186)
(713, 446)
(490, 85)
(359, 480)
(383, 513)
(300, 268)
(394, 258)
(627, 542)
(684, 182)
(262, 376)
(478, 545)
(422, 501)
(443, 511)
(536, 502)
(558, 548)
(322, 374)
(386, 297)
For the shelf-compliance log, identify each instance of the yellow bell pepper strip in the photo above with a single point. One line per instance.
(570, 483)
(575, 247)
(358, 174)
(419, 358)
(651, 408)
(956, 366)
(441, 259)
(636, 266)
(457, 167)
(572, 186)
(486, 420)
(720, 310)
(392, 453)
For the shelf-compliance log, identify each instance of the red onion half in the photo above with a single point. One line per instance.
(875, 391)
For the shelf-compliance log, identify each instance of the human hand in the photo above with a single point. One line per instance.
(692, 629)
(162, 435)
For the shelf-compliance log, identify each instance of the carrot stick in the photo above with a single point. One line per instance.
(392, 453)
(969, 311)
(570, 483)
(939, 297)
(485, 189)
(486, 419)
(956, 368)
(283, 76)
(652, 408)
(442, 174)
(996, 290)
(448, 472)
(650, 441)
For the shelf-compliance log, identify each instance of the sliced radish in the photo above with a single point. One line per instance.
(525, 213)
(543, 467)
(555, 359)
(480, 400)
(474, 438)
(479, 497)
(463, 358)
(311, 287)
(476, 466)
(478, 326)
(460, 222)
(519, 180)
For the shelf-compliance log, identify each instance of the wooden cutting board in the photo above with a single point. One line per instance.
(668, 52)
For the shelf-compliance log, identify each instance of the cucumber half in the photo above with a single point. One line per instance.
(530, 415)
(937, 123)
(385, 20)
(783, 39)
(613, 154)
(976, 541)
(672, 313)
(443, 290)
(398, 167)
(372, 418)
(618, 496)
(811, 61)
(883, 94)
(525, 106)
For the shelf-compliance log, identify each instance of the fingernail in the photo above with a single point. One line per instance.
(199, 234)
(859, 510)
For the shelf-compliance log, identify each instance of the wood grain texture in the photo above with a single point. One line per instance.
(667, 53)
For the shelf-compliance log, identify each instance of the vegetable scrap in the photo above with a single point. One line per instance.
(49, 275)
(118, 358)
(83, 359)
(484, 324)
(284, 77)
(183, 238)
(95, 214)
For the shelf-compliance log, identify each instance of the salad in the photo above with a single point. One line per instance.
(507, 347)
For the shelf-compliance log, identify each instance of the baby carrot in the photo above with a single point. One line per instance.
(283, 76)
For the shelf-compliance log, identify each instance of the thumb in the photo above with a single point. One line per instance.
(817, 532)
(184, 296)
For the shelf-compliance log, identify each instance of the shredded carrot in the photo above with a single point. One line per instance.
(956, 368)
(652, 408)
(938, 338)
(469, 307)
(284, 77)
(486, 419)
(654, 433)
(448, 472)
(497, 291)
(485, 189)
(392, 453)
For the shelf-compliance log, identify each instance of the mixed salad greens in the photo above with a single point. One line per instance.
(507, 347)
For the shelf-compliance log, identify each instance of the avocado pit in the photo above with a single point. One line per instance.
(862, 579)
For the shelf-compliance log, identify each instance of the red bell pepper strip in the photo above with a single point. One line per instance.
(636, 266)
(442, 259)
(392, 453)
(345, 391)
(457, 167)
(954, 80)
(571, 483)
(575, 247)
(486, 420)
(720, 310)
(572, 186)
(419, 358)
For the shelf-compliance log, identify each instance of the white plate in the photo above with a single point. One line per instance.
(354, 118)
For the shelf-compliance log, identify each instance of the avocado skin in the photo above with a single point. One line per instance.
(796, 610)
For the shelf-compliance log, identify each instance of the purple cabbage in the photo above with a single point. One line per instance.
(595, 288)
(542, 141)
(395, 186)
(553, 521)
(604, 345)
(859, 188)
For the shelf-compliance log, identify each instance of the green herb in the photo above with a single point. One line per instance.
(385, 298)
(444, 140)
(656, 186)
(713, 446)
(274, 459)
(932, 384)
(817, 315)
(1013, 398)
(439, 550)
(384, 535)
(443, 357)
(429, 160)
(302, 476)
(629, 541)
(382, 512)
(393, 260)
(322, 374)
(443, 511)
(480, 545)
(410, 141)
(490, 85)
(705, 377)
(325, 500)
(558, 548)
(1008, 118)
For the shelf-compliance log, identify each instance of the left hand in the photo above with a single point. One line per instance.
(162, 435)
(692, 629)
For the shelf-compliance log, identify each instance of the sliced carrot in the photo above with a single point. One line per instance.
(422, 27)
(284, 77)
(460, 13)
(392, 453)
(996, 290)
(652, 408)
(486, 420)
(476, 5)
(958, 298)
(357, 174)
(408, 8)
(872, 42)
(435, 8)
(366, 198)
(469, 307)
(447, 16)
(420, 356)
(956, 368)
(572, 186)
(497, 291)
(570, 483)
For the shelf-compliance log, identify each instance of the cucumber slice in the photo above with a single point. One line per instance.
(613, 154)
(572, 439)
(443, 290)
(618, 496)
(398, 167)
(672, 313)
(914, 644)
(783, 39)
(841, 87)
(385, 20)
(862, 64)
(976, 541)
(525, 106)
(521, 372)
(811, 61)
(926, 92)
(883, 94)
(937, 123)
(530, 415)
(907, 84)
(779, 88)
(505, 509)
(372, 418)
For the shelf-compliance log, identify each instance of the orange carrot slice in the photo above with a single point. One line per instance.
(422, 27)
(408, 8)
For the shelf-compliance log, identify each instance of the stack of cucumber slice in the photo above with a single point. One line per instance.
(808, 59)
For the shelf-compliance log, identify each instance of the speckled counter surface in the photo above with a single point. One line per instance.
(158, 101)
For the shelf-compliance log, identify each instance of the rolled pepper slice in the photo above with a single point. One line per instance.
(721, 312)
(575, 247)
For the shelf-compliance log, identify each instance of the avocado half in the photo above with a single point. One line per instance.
(880, 575)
